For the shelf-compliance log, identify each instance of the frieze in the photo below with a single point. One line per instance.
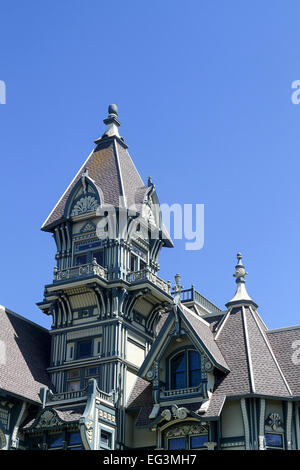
(48, 419)
(107, 416)
(183, 430)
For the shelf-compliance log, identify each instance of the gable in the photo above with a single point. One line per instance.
(183, 330)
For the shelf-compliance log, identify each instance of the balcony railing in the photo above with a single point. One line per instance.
(182, 391)
(77, 396)
(191, 295)
(80, 271)
(147, 275)
(84, 270)
(66, 396)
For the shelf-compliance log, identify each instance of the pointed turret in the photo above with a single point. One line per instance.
(241, 295)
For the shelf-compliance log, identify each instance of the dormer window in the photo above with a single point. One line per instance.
(185, 370)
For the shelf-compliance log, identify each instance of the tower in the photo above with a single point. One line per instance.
(106, 298)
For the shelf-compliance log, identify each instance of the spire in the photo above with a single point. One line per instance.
(112, 123)
(241, 294)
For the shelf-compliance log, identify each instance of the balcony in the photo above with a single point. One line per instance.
(77, 396)
(85, 270)
(82, 270)
(147, 275)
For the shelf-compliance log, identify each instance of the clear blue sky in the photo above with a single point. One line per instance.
(204, 96)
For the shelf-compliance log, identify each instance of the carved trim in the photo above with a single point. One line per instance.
(183, 430)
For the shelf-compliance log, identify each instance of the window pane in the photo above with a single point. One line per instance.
(74, 438)
(179, 380)
(105, 439)
(177, 443)
(194, 360)
(84, 349)
(178, 363)
(133, 263)
(195, 378)
(198, 441)
(178, 372)
(55, 440)
(80, 260)
(274, 440)
(91, 371)
(72, 374)
(74, 386)
(194, 369)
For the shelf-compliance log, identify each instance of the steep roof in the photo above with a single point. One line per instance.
(203, 332)
(253, 365)
(24, 356)
(113, 171)
(285, 344)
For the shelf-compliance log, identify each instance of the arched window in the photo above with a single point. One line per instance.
(185, 370)
(188, 435)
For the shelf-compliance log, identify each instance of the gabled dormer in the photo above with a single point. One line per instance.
(184, 360)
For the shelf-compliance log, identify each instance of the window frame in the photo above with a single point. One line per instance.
(109, 431)
(276, 434)
(169, 371)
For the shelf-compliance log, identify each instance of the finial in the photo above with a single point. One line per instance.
(240, 272)
(113, 109)
(241, 294)
(112, 123)
(150, 181)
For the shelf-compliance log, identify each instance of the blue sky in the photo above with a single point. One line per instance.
(204, 96)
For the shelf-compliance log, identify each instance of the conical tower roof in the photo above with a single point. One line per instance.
(111, 169)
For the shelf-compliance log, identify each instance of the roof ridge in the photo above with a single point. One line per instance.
(248, 350)
(196, 316)
(60, 199)
(284, 328)
(7, 310)
(120, 174)
(271, 351)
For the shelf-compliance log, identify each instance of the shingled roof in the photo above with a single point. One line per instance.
(253, 365)
(24, 356)
(111, 169)
(285, 344)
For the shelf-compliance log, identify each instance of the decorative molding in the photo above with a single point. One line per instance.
(246, 423)
(88, 227)
(183, 430)
(48, 419)
(274, 421)
(84, 205)
(107, 416)
(261, 437)
(288, 429)
(2, 440)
